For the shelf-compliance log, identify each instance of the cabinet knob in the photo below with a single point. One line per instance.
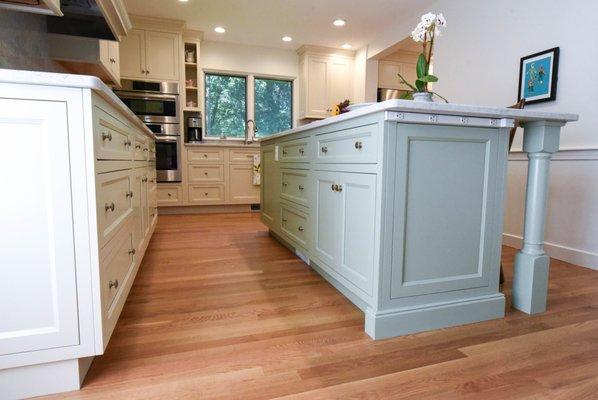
(132, 252)
(301, 187)
(109, 206)
(358, 145)
(301, 151)
(129, 194)
(143, 71)
(339, 188)
(324, 149)
(137, 146)
(284, 184)
(113, 284)
(284, 152)
(112, 60)
(284, 220)
(300, 229)
(147, 72)
(169, 195)
(205, 156)
(205, 193)
(107, 136)
(333, 187)
(145, 149)
(127, 143)
(205, 173)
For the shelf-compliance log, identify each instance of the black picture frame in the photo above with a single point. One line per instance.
(554, 76)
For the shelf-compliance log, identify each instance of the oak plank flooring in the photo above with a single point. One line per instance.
(220, 310)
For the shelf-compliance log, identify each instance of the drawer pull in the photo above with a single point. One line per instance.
(109, 206)
(113, 284)
(169, 195)
(205, 156)
(153, 181)
(301, 187)
(284, 184)
(107, 136)
(339, 188)
(300, 229)
(129, 194)
(358, 145)
(284, 220)
(333, 187)
(284, 152)
(324, 149)
(145, 149)
(138, 147)
(112, 60)
(205, 173)
(205, 193)
(132, 252)
(144, 179)
(127, 143)
(301, 151)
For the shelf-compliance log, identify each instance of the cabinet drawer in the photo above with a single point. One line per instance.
(294, 151)
(140, 148)
(118, 258)
(239, 156)
(294, 224)
(206, 194)
(206, 173)
(205, 155)
(356, 145)
(112, 139)
(167, 195)
(294, 186)
(114, 203)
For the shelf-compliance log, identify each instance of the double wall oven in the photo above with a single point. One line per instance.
(157, 105)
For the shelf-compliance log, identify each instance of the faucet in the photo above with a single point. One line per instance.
(247, 136)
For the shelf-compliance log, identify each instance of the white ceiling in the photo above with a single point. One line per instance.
(264, 22)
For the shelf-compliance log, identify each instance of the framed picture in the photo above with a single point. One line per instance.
(538, 75)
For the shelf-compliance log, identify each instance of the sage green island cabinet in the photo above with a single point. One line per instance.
(399, 205)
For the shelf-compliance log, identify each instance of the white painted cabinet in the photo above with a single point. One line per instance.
(75, 222)
(147, 54)
(325, 79)
(38, 287)
(388, 74)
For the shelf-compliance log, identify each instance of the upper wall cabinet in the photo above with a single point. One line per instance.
(48, 7)
(325, 79)
(87, 56)
(388, 74)
(148, 54)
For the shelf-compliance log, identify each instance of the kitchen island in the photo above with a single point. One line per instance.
(399, 205)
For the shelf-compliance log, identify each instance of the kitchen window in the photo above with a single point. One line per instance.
(231, 100)
(273, 106)
(226, 105)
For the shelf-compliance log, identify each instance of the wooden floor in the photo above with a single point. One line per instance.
(220, 310)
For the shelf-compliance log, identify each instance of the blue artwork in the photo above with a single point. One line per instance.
(538, 76)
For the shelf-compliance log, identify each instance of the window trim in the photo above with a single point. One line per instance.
(250, 97)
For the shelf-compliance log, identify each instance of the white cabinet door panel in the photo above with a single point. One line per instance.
(339, 73)
(132, 55)
(317, 88)
(162, 55)
(38, 296)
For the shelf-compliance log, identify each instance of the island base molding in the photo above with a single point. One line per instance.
(386, 324)
(44, 379)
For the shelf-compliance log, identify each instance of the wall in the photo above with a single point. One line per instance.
(365, 77)
(23, 42)
(477, 62)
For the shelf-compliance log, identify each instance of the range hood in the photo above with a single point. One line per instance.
(81, 18)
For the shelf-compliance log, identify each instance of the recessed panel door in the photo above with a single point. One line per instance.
(327, 217)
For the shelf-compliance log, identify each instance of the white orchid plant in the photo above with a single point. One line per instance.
(425, 32)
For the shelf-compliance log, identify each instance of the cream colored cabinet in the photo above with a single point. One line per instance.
(241, 189)
(388, 74)
(87, 56)
(77, 225)
(325, 79)
(147, 54)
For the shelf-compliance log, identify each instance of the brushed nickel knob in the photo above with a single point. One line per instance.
(358, 145)
(137, 146)
(107, 136)
(205, 193)
(205, 156)
(127, 143)
(169, 195)
(143, 71)
(301, 187)
(284, 153)
(324, 149)
(284, 220)
(284, 184)
(109, 206)
(144, 179)
(132, 251)
(113, 284)
(339, 188)
(129, 194)
(300, 229)
(112, 60)
(145, 149)
(301, 150)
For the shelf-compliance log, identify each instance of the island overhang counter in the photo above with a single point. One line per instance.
(399, 205)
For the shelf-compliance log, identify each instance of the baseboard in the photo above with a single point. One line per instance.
(207, 209)
(560, 252)
(386, 324)
(42, 379)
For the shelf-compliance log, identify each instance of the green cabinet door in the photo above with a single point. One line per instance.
(327, 218)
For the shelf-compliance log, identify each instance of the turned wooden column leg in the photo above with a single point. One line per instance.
(530, 280)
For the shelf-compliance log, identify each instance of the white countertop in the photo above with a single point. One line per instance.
(436, 108)
(225, 143)
(73, 81)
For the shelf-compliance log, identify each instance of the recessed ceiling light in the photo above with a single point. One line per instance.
(346, 46)
(287, 38)
(339, 22)
(219, 29)
(183, 1)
